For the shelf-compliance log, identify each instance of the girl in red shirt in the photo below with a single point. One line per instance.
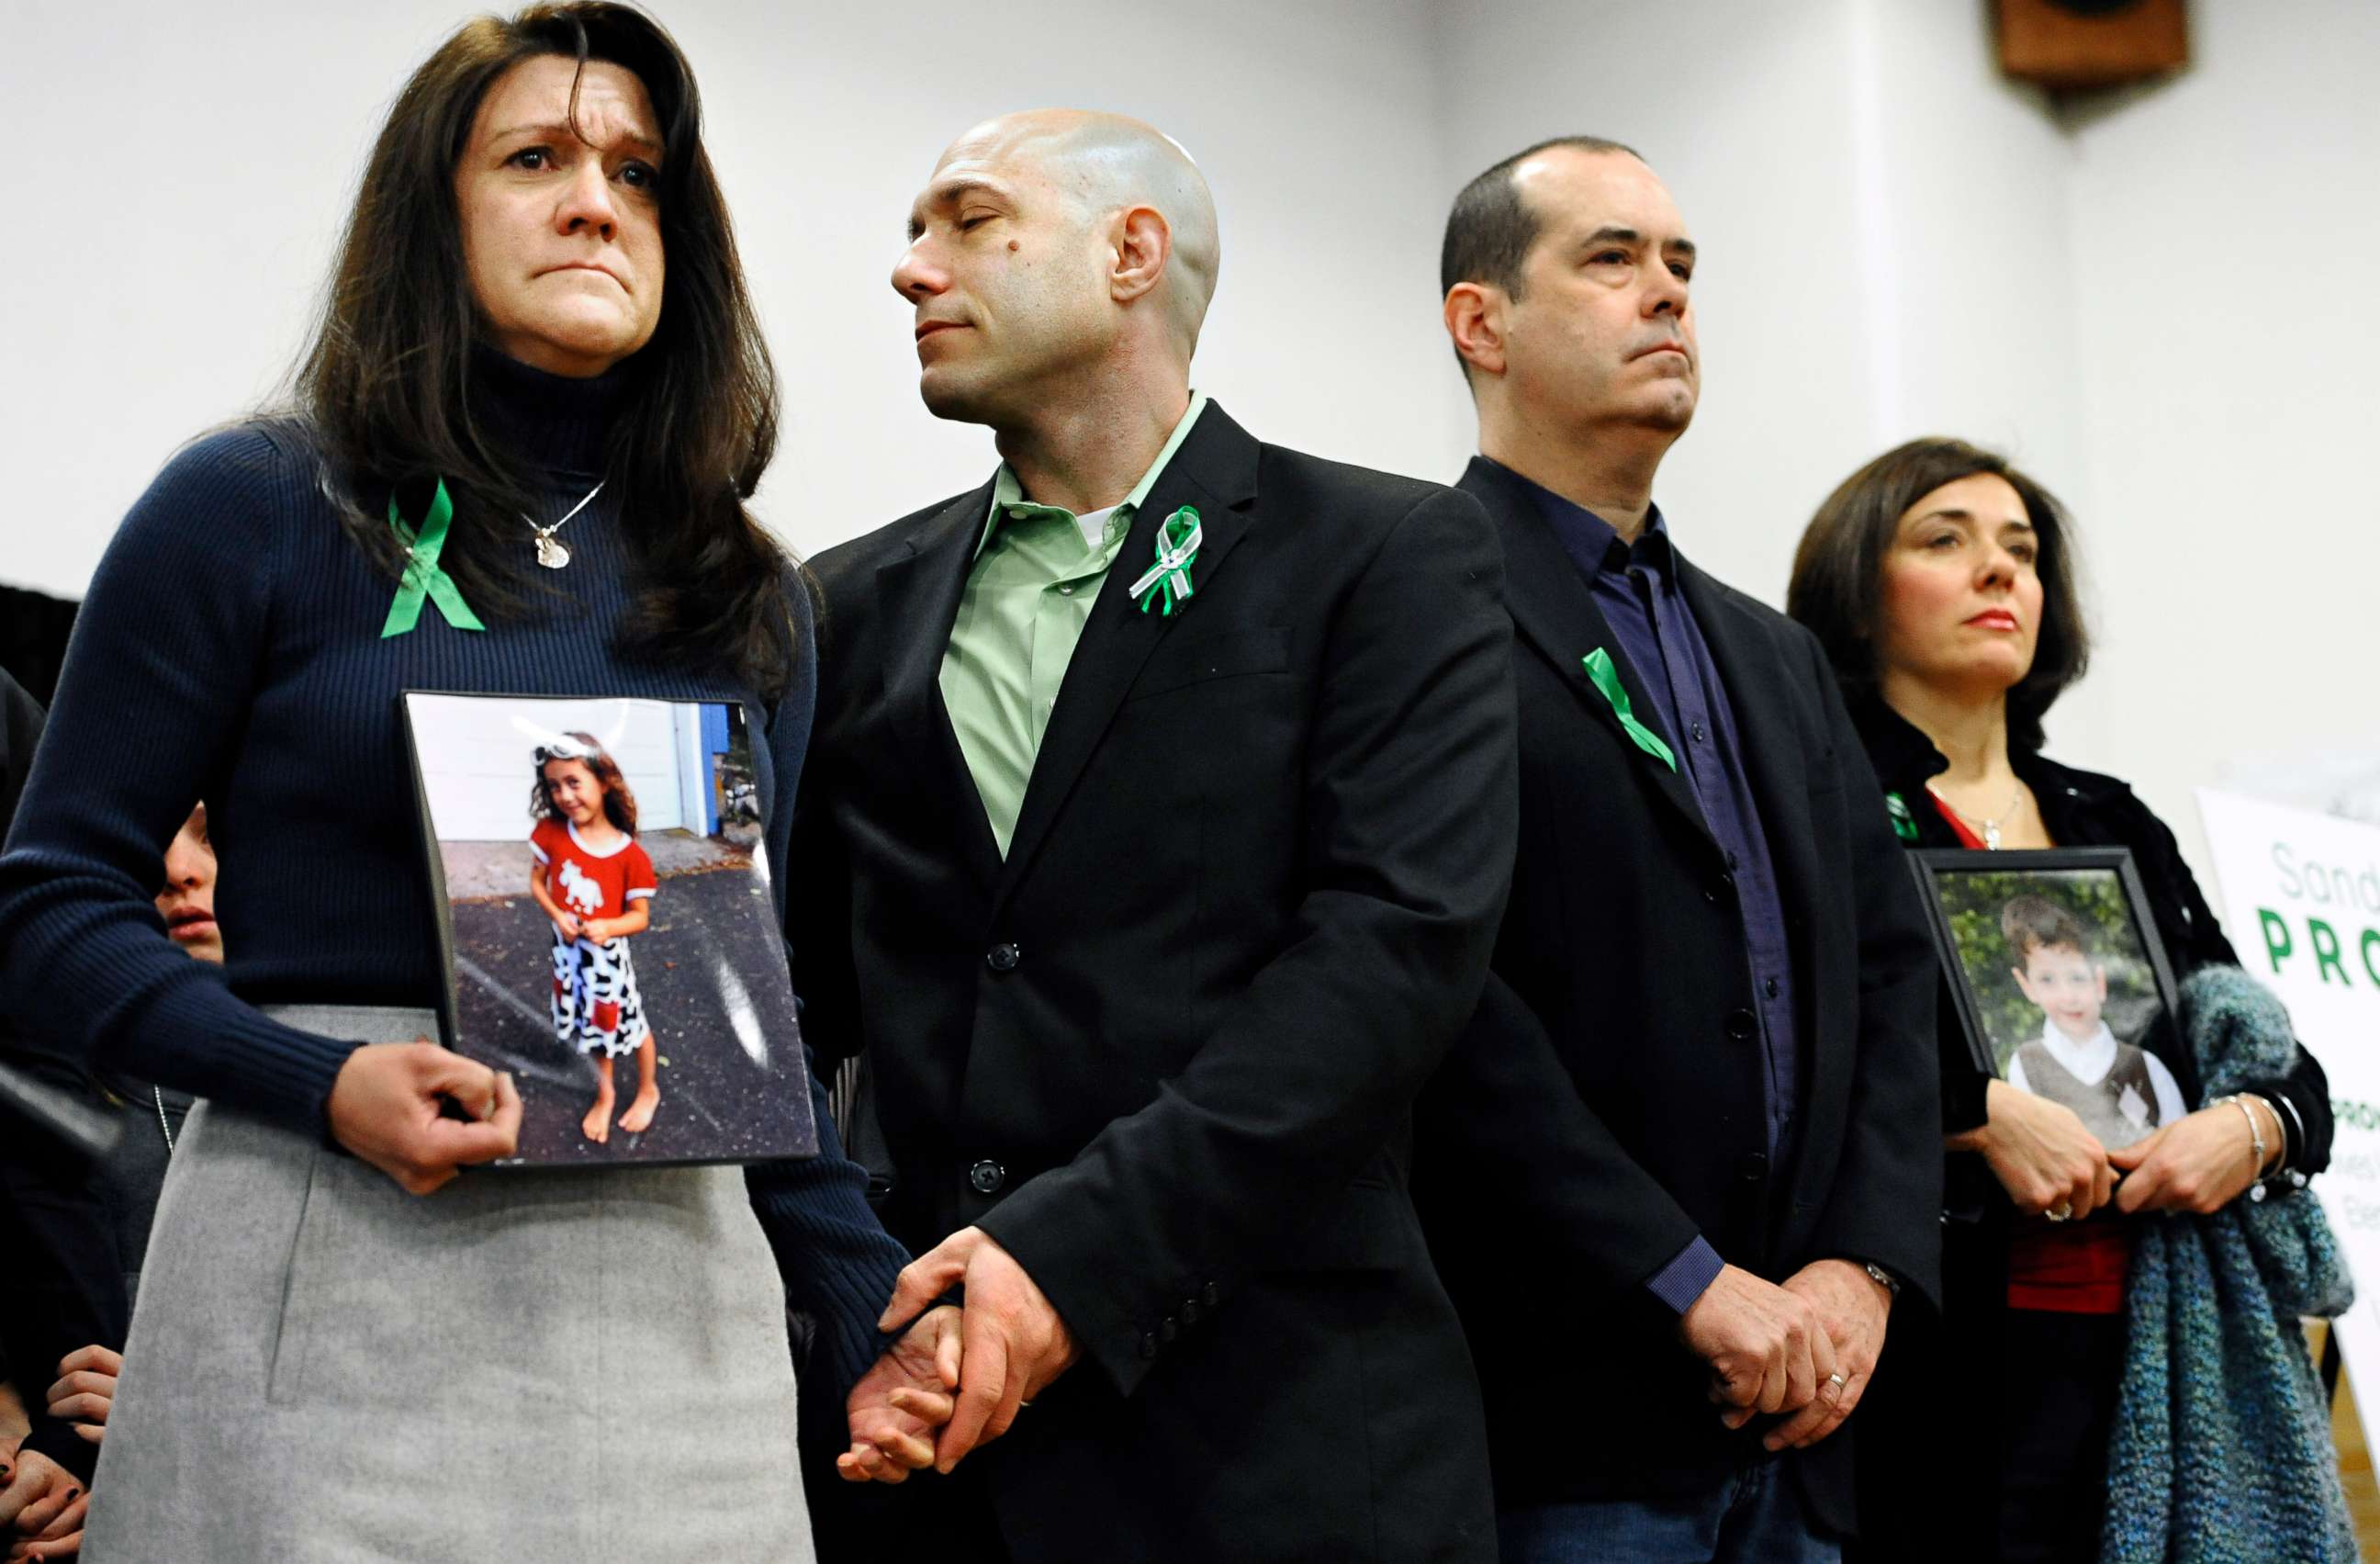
(597, 885)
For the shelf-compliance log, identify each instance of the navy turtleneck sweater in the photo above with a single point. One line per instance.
(230, 649)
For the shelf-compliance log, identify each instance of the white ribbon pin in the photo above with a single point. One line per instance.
(1178, 537)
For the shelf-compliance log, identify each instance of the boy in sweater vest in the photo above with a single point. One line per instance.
(2120, 1091)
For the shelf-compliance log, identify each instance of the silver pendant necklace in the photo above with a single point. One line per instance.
(549, 552)
(1990, 829)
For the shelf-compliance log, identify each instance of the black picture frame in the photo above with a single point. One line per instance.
(1956, 884)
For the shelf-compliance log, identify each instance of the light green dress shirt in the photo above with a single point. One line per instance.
(1028, 594)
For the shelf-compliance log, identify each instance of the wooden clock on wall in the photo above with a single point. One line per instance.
(2070, 45)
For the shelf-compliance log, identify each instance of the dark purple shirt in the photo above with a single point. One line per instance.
(1636, 588)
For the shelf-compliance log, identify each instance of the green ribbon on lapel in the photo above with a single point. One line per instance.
(1895, 809)
(422, 576)
(1606, 678)
(1178, 537)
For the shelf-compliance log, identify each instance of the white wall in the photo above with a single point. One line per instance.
(1745, 112)
(170, 223)
(2225, 231)
(173, 228)
(2159, 305)
(476, 760)
(1856, 177)
(1965, 209)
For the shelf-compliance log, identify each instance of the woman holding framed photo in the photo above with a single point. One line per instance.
(523, 438)
(1941, 581)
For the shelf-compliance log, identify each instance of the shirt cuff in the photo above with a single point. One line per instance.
(1965, 1101)
(1685, 1278)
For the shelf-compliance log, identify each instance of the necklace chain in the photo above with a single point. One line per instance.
(1989, 825)
(550, 551)
(158, 1093)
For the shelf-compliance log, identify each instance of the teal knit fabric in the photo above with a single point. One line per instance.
(2221, 1452)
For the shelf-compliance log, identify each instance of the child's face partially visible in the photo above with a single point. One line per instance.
(578, 796)
(2067, 985)
(188, 902)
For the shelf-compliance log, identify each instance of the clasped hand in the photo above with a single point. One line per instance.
(2049, 1163)
(389, 1105)
(2041, 1152)
(42, 1507)
(1777, 1348)
(965, 1371)
(85, 1389)
(2200, 1162)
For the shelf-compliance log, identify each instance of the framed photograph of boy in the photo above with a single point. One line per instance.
(2055, 972)
(603, 901)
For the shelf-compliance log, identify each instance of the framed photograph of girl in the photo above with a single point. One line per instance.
(605, 907)
(2056, 974)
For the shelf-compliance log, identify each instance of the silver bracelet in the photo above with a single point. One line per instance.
(2283, 1176)
(2255, 1128)
(2280, 1100)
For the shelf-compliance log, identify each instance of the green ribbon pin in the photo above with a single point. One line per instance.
(1896, 810)
(1178, 537)
(1606, 678)
(422, 576)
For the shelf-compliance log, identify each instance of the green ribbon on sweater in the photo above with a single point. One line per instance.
(423, 577)
(1606, 678)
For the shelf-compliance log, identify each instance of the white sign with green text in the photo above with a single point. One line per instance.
(2301, 904)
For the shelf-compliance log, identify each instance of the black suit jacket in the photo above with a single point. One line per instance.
(1166, 1052)
(1608, 1098)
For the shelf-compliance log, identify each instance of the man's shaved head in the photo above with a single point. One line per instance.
(1106, 163)
(1053, 257)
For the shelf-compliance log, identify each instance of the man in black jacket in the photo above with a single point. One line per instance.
(1152, 838)
(1699, 1097)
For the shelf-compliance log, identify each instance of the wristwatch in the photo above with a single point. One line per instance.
(1882, 1278)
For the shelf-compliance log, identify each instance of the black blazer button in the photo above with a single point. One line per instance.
(1211, 1295)
(1189, 1311)
(1003, 958)
(987, 1177)
(1148, 1344)
(1740, 1025)
(1170, 1329)
(1752, 1167)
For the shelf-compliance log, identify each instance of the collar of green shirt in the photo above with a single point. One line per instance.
(1008, 501)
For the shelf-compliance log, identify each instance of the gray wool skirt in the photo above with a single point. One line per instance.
(534, 1366)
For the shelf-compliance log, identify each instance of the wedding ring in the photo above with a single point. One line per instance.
(2061, 1212)
(1837, 1380)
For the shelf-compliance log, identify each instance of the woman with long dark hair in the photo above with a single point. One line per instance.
(522, 442)
(1941, 581)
